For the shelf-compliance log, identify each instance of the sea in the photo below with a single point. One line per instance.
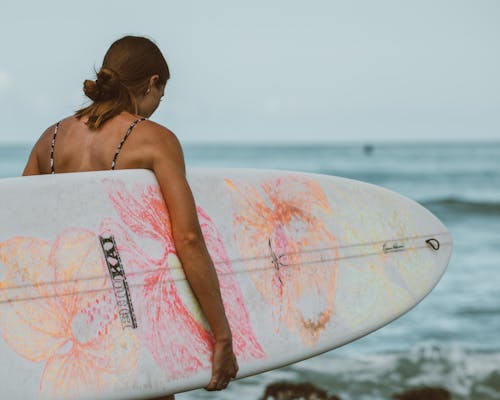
(452, 338)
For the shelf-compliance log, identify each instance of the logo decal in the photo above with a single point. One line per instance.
(119, 281)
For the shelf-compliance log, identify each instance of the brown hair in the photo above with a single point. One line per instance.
(126, 69)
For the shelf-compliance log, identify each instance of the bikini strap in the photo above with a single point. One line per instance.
(52, 145)
(118, 149)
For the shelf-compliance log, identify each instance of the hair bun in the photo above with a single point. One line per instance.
(105, 87)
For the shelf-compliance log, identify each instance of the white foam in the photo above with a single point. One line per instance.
(376, 376)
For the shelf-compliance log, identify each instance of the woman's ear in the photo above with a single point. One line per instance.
(153, 81)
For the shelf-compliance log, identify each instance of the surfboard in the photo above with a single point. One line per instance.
(94, 302)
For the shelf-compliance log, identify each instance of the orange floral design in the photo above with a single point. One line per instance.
(283, 218)
(58, 308)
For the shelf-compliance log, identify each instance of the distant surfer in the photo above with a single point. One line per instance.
(368, 149)
(113, 132)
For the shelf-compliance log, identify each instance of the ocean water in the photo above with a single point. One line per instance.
(452, 338)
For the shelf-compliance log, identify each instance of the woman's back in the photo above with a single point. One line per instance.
(78, 148)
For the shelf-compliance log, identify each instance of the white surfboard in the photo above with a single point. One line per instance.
(94, 302)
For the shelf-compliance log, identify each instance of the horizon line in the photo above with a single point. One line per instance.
(315, 142)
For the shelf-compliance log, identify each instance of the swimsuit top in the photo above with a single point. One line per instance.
(118, 149)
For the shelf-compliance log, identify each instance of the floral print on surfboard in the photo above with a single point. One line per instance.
(57, 309)
(170, 322)
(283, 218)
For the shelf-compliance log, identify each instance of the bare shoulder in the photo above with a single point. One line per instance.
(39, 155)
(161, 143)
(43, 144)
(156, 133)
(46, 138)
(162, 146)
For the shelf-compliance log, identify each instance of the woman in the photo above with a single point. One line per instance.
(114, 133)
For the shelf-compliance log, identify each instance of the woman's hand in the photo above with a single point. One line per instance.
(224, 365)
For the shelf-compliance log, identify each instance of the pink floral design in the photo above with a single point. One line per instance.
(174, 333)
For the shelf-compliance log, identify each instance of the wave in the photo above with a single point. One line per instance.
(467, 374)
(463, 205)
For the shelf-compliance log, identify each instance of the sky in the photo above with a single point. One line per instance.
(270, 71)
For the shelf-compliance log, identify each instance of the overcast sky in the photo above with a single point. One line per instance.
(268, 70)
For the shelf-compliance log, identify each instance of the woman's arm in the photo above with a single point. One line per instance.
(169, 168)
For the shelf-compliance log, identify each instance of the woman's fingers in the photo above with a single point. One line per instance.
(221, 381)
(216, 381)
(217, 384)
(224, 368)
